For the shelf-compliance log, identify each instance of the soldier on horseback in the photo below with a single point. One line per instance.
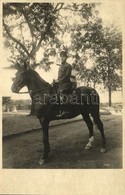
(64, 76)
(28, 77)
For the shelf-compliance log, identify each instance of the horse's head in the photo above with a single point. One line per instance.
(20, 79)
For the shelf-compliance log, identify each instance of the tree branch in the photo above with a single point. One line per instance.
(27, 21)
(11, 27)
(58, 7)
(67, 8)
(14, 39)
(24, 13)
(42, 37)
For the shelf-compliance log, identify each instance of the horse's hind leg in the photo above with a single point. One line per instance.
(89, 124)
(99, 124)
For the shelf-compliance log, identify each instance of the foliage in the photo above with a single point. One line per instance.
(6, 100)
(103, 45)
(27, 26)
(7, 103)
(109, 60)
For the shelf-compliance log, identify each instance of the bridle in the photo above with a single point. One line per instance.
(32, 92)
(36, 91)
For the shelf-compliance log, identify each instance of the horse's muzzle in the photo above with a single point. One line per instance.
(14, 89)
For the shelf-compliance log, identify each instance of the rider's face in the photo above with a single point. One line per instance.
(63, 58)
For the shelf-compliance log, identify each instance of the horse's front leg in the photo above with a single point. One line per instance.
(45, 126)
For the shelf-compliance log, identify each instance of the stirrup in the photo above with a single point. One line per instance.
(60, 114)
(64, 113)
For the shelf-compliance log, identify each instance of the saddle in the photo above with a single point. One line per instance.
(62, 98)
(64, 104)
(55, 84)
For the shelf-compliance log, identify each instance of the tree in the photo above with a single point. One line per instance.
(103, 45)
(7, 103)
(85, 36)
(109, 59)
(27, 26)
(31, 26)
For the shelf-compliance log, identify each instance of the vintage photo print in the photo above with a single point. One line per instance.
(62, 89)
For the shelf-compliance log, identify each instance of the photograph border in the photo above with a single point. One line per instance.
(64, 182)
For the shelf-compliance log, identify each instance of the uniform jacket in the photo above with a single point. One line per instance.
(64, 75)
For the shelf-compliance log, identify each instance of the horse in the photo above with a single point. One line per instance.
(83, 101)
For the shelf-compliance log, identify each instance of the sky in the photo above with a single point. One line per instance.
(110, 12)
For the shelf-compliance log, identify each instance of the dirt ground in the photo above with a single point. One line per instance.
(67, 142)
(18, 122)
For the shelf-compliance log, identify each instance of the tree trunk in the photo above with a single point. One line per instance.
(110, 96)
(109, 82)
(94, 83)
(32, 109)
(32, 62)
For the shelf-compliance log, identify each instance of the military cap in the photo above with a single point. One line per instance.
(63, 53)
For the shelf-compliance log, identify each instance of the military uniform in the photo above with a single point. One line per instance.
(65, 85)
(64, 75)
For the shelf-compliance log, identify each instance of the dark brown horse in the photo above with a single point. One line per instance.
(84, 101)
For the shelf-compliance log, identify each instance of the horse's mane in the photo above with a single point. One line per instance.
(35, 74)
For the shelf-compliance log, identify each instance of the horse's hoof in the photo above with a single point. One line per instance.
(103, 150)
(88, 147)
(42, 161)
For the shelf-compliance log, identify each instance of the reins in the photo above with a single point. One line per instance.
(33, 92)
(23, 92)
(44, 85)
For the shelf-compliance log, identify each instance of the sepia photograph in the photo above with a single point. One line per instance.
(62, 85)
(62, 97)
